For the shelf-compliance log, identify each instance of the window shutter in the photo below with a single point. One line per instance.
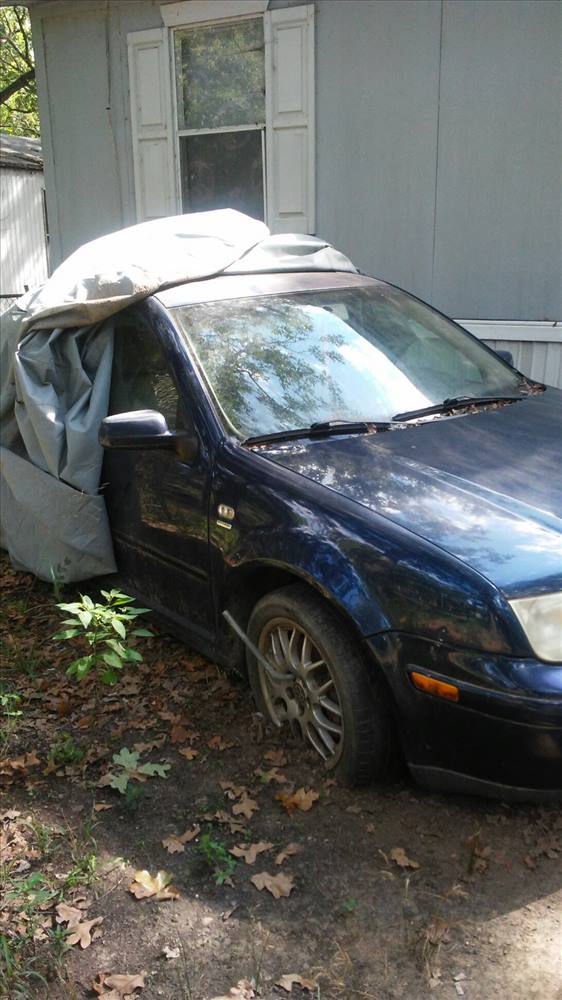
(151, 122)
(290, 140)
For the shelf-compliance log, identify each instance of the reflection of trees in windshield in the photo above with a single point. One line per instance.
(278, 363)
(266, 364)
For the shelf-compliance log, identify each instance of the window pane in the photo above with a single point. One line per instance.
(220, 75)
(141, 378)
(222, 170)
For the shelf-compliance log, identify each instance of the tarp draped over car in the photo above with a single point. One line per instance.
(57, 348)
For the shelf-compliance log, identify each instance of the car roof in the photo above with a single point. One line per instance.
(235, 286)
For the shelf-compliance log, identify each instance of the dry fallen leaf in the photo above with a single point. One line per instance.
(278, 885)
(233, 791)
(178, 734)
(277, 757)
(242, 991)
(398, 854)
(217, 743)
(102, 806)
(288, 981)
(82, 932)
(68, 914)
(175, 844)
(157, 887)
(288, 852)
(245, 807)
(188, 752)
(120, 986)
(251, 852)
(301, 799)
(274, 774)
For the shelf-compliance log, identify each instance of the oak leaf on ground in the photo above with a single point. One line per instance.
(188, 752)
(82, 932)
(251, 851)
(274, 774)
(288, 981)
(245, 807)
(218, 743)
(288, 852)
(278, 885)
(277, 757)
(398, 854)
(156, 887)
(175, 843)
(120, 986)
(244, 990)
(302, 799)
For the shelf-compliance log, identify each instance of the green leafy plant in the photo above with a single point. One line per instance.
(18, 977)
(217, 857)
(129, 768)
(10, 714)
(65, 751)
(105, 627)
(349, 904)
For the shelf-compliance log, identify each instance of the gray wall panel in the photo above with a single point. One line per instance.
(85, 117)
(498, 246)
(376, 108)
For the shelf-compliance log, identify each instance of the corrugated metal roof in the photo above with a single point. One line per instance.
(20, 153)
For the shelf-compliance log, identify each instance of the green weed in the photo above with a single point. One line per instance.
(217, 857)
(105, 628)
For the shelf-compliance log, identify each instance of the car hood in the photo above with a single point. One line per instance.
(484, 486)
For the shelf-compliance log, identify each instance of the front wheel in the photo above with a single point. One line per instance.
(318, 683)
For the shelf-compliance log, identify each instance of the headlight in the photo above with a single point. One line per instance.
(541, 618)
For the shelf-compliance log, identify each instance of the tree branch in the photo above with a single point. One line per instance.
(16, 85)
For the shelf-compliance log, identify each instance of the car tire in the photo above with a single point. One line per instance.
(327, 693)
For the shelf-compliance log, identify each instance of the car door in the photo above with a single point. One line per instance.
(158, 504)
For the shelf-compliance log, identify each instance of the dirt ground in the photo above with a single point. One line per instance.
(388, 892)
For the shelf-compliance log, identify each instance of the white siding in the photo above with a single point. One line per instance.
(23, 245)
(536, 348)
(541, 361)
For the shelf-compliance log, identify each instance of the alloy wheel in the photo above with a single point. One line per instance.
(300, 689)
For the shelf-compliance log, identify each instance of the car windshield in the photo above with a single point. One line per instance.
(282, 362)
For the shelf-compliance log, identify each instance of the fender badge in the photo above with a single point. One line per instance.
(224, 524)
(228, 513)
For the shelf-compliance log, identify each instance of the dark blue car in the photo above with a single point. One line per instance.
(320, 479)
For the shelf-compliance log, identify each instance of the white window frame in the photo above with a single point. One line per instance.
(288, 136)
(197, 14)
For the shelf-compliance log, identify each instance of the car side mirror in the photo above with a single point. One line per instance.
(506, 356)
(142, 430)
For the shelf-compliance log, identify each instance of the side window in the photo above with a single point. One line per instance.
(142, 379)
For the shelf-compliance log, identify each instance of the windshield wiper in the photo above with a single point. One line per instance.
(454, 403)
(320, 429)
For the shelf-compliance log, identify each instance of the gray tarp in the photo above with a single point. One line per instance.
(57, 347)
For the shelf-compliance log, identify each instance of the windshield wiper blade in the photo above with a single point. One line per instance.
(319, 429)
(454, 403)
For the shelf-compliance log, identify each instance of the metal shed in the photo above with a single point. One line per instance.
(23, 221)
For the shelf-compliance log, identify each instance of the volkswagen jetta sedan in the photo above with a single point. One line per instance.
(321, 480)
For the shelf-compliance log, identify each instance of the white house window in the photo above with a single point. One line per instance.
(220, 97)
(222, 111)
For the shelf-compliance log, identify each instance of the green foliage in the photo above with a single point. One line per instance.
(217, 856)
(10, 714)
(18, 975)
(18, 110)
(349, 904)
(129, 767)
(105, 627)
(65, 751)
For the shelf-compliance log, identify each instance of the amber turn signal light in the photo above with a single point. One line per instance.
(431, 686)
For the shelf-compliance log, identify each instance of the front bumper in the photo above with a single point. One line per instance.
(503, 738)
